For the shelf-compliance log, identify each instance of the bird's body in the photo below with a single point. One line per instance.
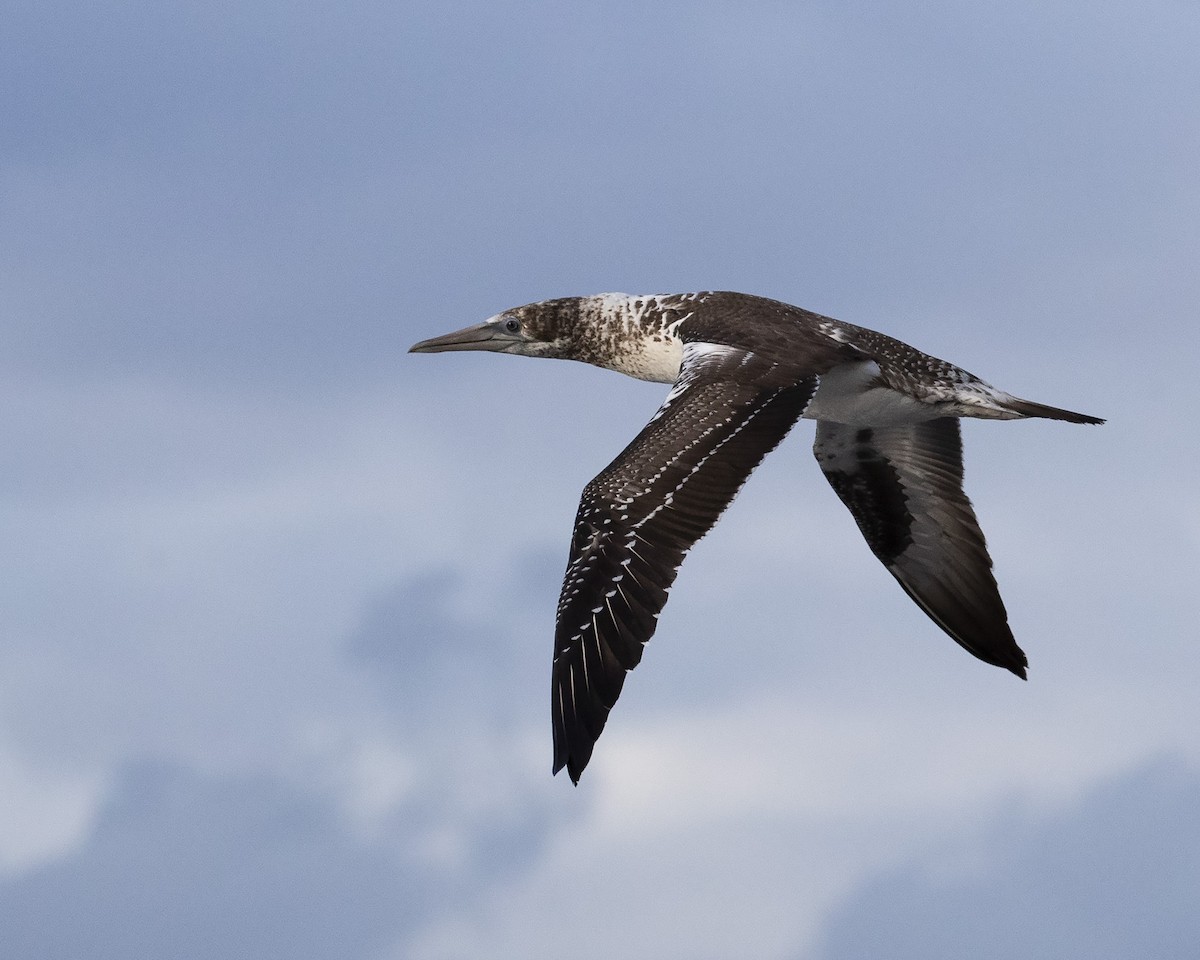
(744, 369)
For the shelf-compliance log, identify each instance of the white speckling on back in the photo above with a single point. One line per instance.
(637, 335)
(833, 331)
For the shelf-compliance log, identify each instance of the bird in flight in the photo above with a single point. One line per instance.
(744, 369)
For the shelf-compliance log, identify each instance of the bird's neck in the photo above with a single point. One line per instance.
(633, 335)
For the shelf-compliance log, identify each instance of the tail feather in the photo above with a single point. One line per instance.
(1027, 408)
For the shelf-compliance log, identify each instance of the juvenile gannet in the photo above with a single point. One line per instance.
(744, 370)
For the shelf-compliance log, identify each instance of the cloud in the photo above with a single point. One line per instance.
(470, 643)
(186, 865)
(1113, 877)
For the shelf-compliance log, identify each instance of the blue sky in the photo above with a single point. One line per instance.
(279, 596)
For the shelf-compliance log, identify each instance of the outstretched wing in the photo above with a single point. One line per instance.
(903, 484)
(639, 517)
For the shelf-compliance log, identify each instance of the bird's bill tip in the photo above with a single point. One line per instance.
(481, 336)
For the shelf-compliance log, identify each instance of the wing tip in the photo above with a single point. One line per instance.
(1013, 659)
(574, 770)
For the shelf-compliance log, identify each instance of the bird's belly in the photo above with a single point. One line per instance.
(852, 394)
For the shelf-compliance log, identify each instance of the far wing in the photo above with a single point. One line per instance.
(903, 484)
(640, 516)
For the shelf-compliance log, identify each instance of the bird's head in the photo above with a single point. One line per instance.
(544, 329)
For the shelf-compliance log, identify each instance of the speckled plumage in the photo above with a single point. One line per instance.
(744, 369)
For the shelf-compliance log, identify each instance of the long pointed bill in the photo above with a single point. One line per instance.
(483, 336)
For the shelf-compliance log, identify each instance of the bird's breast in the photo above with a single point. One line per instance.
(655, 358)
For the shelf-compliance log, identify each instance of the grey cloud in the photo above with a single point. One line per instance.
(195, 867)
(420, 645)
(1114, 877)
(184, 866)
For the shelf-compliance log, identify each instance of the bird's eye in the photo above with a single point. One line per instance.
(511, 325)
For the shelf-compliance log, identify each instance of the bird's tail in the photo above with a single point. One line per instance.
(1027, 408)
